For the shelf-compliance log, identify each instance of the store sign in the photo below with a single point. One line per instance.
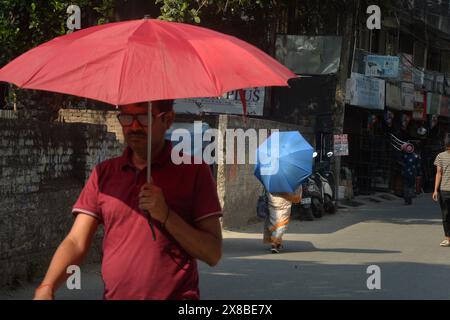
(340, 144)
(407, 96)
(365, 92)
(433, 103)
(393, 96)
(382, 66)
(419, 106)
(229, 103)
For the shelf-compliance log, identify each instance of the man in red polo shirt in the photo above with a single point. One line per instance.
(183, 204)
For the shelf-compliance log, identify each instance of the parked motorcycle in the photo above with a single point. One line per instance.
(330, 195)
(305, 206)
(318, 192)
(324, 178)
(314, 190)
(310, 206)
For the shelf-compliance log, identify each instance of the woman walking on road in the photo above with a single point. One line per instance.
(277, 221)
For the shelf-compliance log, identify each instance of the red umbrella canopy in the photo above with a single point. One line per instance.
(144, 60)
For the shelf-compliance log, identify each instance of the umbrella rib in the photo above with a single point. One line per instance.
(124, 62)
(38, 70)
(210, 74)
(52, 42)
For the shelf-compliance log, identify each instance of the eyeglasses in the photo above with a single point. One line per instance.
(127, 119)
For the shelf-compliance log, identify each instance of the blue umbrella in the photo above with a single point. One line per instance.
(283, 161)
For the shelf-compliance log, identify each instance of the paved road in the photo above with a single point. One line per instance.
(323, 259)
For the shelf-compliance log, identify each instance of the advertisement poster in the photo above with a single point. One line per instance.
(382, 66)
(366, 92)
(340, 145)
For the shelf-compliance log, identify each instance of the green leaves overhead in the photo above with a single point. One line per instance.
(25, 24)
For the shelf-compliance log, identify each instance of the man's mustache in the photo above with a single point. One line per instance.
(137, 134)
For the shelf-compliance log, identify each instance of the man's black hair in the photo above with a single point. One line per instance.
(164, 105)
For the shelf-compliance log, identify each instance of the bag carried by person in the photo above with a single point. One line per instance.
(262, 206)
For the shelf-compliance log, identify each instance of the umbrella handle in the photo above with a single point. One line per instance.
(149, 161)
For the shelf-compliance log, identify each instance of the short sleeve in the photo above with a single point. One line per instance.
(438, 162)
(87, 202)
(206, 201)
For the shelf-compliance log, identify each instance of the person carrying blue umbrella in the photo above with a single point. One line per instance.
(284, 161)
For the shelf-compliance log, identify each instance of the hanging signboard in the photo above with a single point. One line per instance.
(382, 66)
(419, 106)
(340, 144)
(365, 92)
(229, 103)
(407, 96)
(393, 96)
(433, 103)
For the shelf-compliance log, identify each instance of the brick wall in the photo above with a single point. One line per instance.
(237, 186)
(43, 167)
(108, 118)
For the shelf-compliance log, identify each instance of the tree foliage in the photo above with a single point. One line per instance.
(25, 24)
(192, 10)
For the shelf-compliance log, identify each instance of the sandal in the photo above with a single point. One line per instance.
(445, 243)
(275, 248)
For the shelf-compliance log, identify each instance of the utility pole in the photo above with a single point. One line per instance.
(351, 10)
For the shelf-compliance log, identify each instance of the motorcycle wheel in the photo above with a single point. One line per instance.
(329, 205)
(318, 210)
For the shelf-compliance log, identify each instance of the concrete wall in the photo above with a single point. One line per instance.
(43, 167)
(237, 186)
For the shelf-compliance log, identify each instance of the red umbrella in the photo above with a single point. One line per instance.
(145, 60)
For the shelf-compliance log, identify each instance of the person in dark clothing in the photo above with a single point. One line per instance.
(410, 170)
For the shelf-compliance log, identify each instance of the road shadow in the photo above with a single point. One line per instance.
(238, 247)
(424, 211)
(262, 279)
